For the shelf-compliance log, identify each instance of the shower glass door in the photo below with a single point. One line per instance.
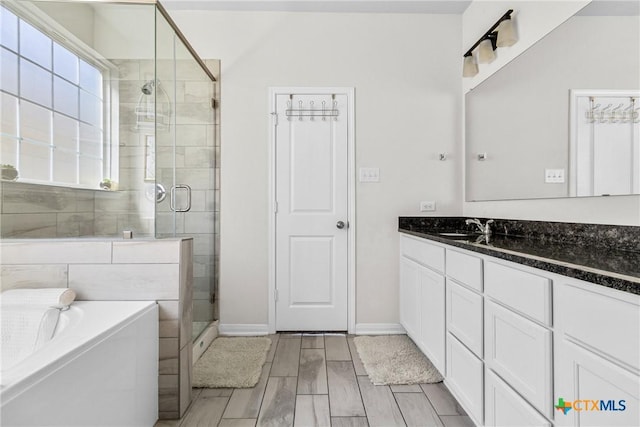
(185, 162)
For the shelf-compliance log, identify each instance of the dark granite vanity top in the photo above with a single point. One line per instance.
(606, 255)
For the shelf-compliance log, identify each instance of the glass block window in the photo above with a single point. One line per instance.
(52, 110)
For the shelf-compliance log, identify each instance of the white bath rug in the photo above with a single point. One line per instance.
(395, 359)
(231, 363)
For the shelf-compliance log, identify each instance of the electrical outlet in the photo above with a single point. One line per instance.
(429, 206)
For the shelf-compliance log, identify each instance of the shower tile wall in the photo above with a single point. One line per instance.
(37, 211)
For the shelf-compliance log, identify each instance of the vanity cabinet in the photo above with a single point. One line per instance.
(464, 316)
(422, 297)
(597, 356)
(519, 338)
(505, 407)
(465, 367)
(465, 377)
(517, 335)
(519, 351)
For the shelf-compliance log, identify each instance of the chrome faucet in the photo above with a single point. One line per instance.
(484, 229)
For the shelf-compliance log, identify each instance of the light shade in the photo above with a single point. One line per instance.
(506, 33)
(469, 67)
(485, 52)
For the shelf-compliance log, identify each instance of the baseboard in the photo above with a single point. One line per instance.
(379, 329)
(243, 329)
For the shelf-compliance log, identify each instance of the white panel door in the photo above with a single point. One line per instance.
(312, 212)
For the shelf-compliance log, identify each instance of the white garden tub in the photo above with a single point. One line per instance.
(99, 369)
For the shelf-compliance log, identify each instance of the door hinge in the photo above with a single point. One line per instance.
(275, 118)
(214, 103)
(275, 294)
(275, 207)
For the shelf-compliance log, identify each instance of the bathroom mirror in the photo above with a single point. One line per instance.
(520, 121)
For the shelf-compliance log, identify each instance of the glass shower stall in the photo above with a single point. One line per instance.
(109, 120)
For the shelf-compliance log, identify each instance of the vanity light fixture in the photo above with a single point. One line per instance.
(486, 49)
(507, 35)
(501, 34)
(470, 66)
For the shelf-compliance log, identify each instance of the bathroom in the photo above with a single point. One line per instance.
(405, 66)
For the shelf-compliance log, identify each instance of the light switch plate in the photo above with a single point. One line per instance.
(554, 176)
(369, 175)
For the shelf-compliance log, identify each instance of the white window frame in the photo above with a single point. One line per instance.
(110, 147)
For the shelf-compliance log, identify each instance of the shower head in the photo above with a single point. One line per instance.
(147, 88)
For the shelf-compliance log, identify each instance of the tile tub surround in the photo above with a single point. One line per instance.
(116, 269)
(607, 255)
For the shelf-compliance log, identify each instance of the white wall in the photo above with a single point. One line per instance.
(78, 18)
(406, 74)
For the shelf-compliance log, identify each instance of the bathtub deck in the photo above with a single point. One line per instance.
(293, 391)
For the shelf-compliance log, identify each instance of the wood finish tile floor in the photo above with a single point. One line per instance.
(319, 380)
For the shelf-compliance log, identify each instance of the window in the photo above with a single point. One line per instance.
(52, 121)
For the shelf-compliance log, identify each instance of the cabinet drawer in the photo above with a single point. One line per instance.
(614, 330)
(519, 350)
(524, 292)
(504, 407)
(465, 378)
(422, 252)
(464, 316)
(466, 269)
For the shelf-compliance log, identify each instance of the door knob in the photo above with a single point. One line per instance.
(340, 224)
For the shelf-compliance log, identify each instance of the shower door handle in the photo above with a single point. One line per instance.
(172, 202)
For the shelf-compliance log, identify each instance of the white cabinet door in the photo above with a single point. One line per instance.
(409, 297)
(504, 407)
(582, 378)
(465, 378)
(520, 352)
(432, 317)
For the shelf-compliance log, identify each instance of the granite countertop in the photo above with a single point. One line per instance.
(601, 254)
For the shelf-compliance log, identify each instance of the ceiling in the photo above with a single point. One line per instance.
(611, 8)
(456, 7)
(345, 6)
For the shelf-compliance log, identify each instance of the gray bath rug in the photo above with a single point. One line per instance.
(231, 363)
(395, 359)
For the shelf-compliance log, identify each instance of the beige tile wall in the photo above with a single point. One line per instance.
(160, 270)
